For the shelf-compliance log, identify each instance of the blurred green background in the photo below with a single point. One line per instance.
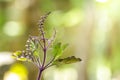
(91, 27)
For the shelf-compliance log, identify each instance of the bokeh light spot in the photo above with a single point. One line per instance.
(11, 76)
(16, 72)
(13, 28)
(66, 74)
(102, 1)
(103, 73)
(73, 18)
(5, 58)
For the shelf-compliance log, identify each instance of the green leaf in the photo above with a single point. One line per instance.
(18, 56)
(17, 53)
(57, 50)
(67, 60)
(22, 59)
(36, 53)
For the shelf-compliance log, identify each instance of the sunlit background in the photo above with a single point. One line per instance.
(91, 27)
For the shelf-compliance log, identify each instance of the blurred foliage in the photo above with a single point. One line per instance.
(91, 27)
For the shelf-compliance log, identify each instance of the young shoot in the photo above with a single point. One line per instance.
(40, 44)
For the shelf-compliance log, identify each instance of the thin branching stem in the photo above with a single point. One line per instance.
(50, 62)
(40, 44)
(38, 62)
(52, 39)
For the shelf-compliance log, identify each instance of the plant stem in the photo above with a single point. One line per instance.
(44, 57)
(47, 65)
(39, 74)
(42, 66)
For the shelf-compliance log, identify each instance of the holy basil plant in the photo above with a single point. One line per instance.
(37, 50)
